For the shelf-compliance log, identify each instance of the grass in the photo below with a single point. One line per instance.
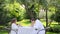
(24, 22)
(3, 32)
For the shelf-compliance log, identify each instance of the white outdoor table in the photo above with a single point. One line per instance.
(27, 30)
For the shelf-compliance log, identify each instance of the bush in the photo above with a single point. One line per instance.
(56, 16)
(54, 28)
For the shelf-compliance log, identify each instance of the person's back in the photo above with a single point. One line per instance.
(39, 26)
(14, 26)
(14, 29)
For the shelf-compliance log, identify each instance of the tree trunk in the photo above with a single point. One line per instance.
(46, 19)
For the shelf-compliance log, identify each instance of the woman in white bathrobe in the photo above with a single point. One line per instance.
(38, 25)
(14, 26)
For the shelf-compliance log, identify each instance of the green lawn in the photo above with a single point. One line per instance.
(3, 32)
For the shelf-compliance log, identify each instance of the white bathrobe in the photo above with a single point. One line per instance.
(14, 29)
(38, 25)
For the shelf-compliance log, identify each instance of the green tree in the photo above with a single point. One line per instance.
(56, 15)
(9, 10)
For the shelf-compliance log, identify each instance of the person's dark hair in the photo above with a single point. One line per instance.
(32, 19)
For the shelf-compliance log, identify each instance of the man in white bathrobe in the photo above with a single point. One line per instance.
(38, 25)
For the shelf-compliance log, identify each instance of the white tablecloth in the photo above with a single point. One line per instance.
(27, 30)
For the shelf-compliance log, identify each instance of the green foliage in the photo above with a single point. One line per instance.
(44, 3)
(56, 16)
(11, 10)
(55, 28)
